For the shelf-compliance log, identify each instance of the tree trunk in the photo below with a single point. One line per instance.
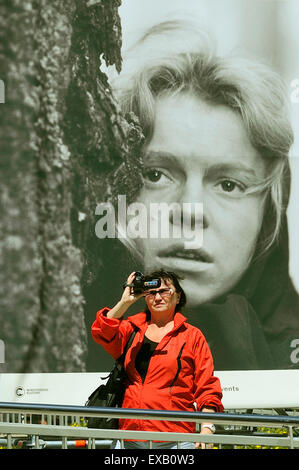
(61, 135)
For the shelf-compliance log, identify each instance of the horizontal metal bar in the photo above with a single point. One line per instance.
(55, 444)
(217, 418)
(87, 433)
(84, 433)
(100, 444)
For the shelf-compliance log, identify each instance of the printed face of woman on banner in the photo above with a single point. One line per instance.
(201, 152)
(217, 133)
(214, 135)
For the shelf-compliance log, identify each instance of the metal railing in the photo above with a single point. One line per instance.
(52, 426)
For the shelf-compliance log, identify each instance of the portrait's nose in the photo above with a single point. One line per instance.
(191, 204)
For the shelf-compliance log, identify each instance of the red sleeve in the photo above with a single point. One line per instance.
(111, 333)
(207, 387)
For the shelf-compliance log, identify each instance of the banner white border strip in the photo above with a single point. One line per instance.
(260, 389)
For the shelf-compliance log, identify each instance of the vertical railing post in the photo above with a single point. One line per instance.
(291, 434)
(9, 446)
(64, 442)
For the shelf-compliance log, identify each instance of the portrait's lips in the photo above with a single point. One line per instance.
(177, 257)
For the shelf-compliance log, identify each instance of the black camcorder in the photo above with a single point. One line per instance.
(142, 283)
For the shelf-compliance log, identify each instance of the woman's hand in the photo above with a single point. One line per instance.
(127, 299)
(205, 430)
(128, 296)
(204, 445)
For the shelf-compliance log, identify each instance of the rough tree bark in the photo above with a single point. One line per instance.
(61, 135)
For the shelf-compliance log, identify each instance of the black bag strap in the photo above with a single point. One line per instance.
(121, 359)
(118, 365)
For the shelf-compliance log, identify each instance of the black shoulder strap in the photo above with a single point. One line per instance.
(127, 346)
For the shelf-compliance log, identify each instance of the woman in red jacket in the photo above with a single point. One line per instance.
(169, 364)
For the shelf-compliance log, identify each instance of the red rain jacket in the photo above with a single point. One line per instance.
(180, 371)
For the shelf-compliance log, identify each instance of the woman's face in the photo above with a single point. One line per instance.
(201, 153)
(163, 299)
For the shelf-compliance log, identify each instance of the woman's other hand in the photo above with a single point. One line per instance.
(204, 445)
(127, 299)
(206, 429)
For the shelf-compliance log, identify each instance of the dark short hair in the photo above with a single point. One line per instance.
(174, 278)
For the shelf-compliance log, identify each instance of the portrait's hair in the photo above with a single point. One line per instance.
(250, 88)
(174, 278)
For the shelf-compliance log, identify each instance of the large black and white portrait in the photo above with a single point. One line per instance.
(213, 198)
(141, 135)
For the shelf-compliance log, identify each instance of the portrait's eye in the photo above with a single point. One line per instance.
(228, 185)
(152, 175)
(155, 176)
(231, 187)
